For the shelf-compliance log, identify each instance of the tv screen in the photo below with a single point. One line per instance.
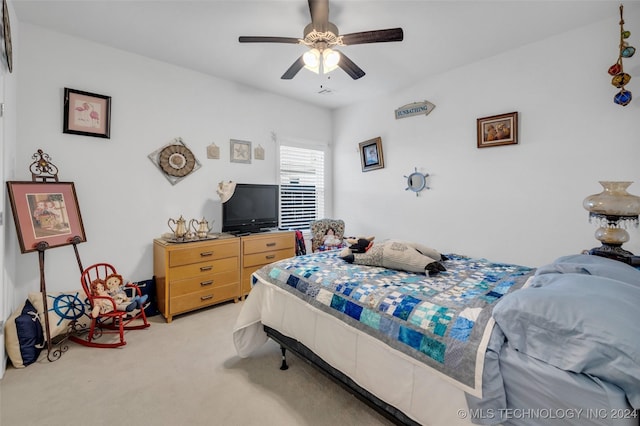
(251, 208)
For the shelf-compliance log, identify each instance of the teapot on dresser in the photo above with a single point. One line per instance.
(201, 228)
(179, 227)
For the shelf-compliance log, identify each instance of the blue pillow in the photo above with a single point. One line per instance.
(580, 323)
(593, 265)
(30, 335)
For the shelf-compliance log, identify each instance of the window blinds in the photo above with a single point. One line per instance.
(301, 186)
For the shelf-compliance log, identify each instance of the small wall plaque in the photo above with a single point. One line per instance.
(213, 152)
(258, 152)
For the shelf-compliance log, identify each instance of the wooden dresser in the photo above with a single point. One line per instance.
(261, 249)
(194, 275)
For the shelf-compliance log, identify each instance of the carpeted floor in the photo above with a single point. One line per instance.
(183, 373)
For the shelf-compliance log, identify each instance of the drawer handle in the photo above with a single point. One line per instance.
(206, 283)
(271, 244)
(205, 268)
(271, 256)
(203, 298)
(206, 254)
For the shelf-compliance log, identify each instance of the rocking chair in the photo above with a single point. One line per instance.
(113, 322)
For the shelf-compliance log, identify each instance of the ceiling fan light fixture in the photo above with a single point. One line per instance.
(311, 58)
(330, 60)
(319, 35)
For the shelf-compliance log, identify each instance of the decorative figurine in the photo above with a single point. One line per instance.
(201, 228)
(620, 78)
(179, 228)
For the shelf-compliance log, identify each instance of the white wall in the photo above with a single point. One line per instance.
(7, 169)
(124, 199)
(518, 203)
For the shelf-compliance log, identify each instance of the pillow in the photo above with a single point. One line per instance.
(579, 323)
(593, 265)
(24, 338)
(63, 308)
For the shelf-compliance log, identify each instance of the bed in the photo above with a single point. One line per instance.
(481, 343)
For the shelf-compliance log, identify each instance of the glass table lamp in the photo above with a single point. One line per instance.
(613, 210)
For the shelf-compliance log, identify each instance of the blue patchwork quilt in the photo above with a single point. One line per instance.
(439, 320)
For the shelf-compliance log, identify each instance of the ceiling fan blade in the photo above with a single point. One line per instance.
(377, 36)
(293, 69)
(319, 10)
(267, 39)
(354, 71)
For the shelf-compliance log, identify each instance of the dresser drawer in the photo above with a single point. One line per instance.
(192, 254)
(196, 274)
(262, 249)
(267, 243)
(203, 298)
(204, 268)
(197, 284)
(249, 260)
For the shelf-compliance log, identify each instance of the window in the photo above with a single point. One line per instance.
(301, 186)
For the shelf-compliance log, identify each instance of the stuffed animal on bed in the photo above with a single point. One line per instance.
(401, 255)
(360, 244)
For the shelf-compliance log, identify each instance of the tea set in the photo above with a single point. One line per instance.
(181, 230)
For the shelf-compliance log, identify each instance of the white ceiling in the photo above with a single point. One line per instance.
(203, 36)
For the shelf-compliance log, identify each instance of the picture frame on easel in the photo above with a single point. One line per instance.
(45, 212)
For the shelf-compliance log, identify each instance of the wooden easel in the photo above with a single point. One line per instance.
(42, 170)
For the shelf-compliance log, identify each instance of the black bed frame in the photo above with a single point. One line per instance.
(388, 411)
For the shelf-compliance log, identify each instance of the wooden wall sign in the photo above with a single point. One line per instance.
(416, 108)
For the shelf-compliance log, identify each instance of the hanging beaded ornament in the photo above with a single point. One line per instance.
(621, 78)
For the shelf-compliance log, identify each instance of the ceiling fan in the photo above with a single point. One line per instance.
(322, 36)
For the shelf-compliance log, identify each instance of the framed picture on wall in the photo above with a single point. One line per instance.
(240, 151)
(498, 130)
(87, 114)
(371, 154)
(45, 212)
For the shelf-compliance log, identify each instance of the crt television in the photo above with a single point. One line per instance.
(251, 208)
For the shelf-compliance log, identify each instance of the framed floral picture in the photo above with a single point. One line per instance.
(45, 212)
(87, 114)
(371, 154)
(498, 130)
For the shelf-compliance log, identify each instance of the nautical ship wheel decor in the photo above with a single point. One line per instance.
(175, 160)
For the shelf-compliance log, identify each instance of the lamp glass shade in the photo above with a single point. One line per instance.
(612, 235)
(614, 200)
(311, 58)
(613, 210)
(330, 58)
